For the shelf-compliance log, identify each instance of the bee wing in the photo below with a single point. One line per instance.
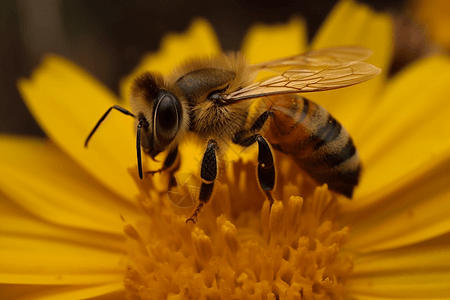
(318, 70)
(332, 56)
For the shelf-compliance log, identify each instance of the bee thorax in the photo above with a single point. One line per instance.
(211, 120)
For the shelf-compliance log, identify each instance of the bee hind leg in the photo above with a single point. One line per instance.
(208, 174)
(257, 125)
(266, 167)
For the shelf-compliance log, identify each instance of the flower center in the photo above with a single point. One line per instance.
(242, 247)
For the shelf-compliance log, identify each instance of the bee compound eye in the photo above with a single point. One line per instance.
(168, 114)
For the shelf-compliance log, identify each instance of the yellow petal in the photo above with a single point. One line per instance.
(198, 41)
(408, 128)
(44, 181)
(68, 102)
(434, 17)
(34, 260)
(36, 252)
(267, 42)
(418, 211)
(354, 24)
(407, 273)
(18, 222)
(72, 292)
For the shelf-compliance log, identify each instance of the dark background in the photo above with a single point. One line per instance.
(108, 38)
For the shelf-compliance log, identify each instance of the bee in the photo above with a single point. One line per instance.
(210, 97)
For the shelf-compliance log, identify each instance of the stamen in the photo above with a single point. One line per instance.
(265, 219)
(290, 249)
(276, 221)
(203, 245)
(230, 237)
(292, 222)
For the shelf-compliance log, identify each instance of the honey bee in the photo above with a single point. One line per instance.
(210, 97)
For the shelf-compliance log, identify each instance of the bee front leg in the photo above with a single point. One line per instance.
(208, 173)
(171, 162)
(266, 167)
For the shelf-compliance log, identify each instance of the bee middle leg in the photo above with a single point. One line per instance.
(208, 173)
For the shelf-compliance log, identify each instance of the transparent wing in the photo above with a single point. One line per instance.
(332, 56)
(318, 70)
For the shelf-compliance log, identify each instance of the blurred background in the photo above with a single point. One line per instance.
(108, 38)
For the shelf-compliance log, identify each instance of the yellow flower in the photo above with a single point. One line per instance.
(434, 15)
(65, 209)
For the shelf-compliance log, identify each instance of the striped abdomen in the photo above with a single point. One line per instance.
(319, 144)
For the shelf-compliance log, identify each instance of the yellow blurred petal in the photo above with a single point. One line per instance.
(198, 41)
(36, 260)
(29, 260)
(407, 273)
(360, 296)
(36, 252)
(409, 127)
(405, 286)
(27, 292)
(44, 181)
(67, 102)
(16, 221)
(407, 259)
(267, 42)
(417, 211)
(354, 24)
(39, 260)
(434, 16)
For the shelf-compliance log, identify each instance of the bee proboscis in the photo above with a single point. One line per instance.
(210, 97)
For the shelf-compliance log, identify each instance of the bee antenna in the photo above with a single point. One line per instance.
(121, 109)
(138, 147)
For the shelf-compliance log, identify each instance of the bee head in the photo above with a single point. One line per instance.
(162, 115)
